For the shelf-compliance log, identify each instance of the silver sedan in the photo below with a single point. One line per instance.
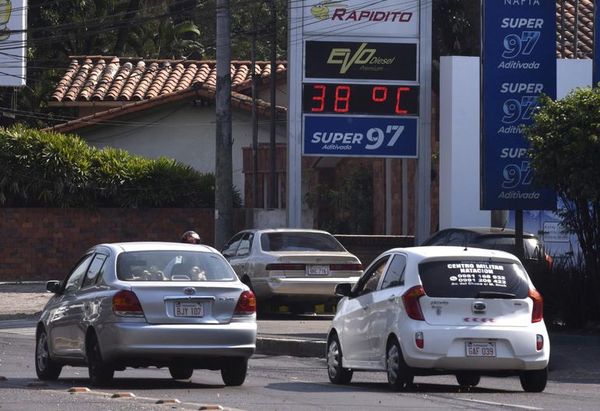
(291, 266)
(142, 304)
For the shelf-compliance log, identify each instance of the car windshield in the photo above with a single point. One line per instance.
(173, 266)
(299, 241)
(473, 279)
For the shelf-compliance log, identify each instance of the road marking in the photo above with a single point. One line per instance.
(523, 407)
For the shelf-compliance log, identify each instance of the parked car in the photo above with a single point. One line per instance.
(291, 266)
(142, 304)
(440, 310)
(495, 238)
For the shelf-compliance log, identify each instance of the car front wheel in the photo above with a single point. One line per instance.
(398, 372)
(181, 372)
(45, 368)
(337, 373)
(534, 381)
(468, 380)
(234, 371)
(99, 372)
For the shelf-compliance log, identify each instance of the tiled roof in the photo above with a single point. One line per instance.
(114, 79)
(575, 29)
(90, 81)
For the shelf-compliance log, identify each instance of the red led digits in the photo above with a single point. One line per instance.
(399, 91)
(342, 99)
(379, 94)
(319, 98)
(361, 99)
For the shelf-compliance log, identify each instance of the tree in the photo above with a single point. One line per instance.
(565, 150)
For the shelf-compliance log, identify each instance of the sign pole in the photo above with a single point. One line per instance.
(423, 195)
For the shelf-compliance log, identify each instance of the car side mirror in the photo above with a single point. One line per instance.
(53, 286)
(343, 289)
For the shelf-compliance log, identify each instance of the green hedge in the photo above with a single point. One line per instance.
(45, 169)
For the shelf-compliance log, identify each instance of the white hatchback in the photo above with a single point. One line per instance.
(441, 310)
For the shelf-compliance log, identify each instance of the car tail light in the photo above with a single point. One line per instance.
(126, 303)
(549, 261)
(537, 314)
(419, 339)
(411, 302)
(346, 267)
(539, 342)
(246, 304)
(284, 267)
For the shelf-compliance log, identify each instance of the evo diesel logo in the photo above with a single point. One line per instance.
(361, 60)
(365, 58)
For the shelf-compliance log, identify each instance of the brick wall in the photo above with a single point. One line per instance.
(44, 243)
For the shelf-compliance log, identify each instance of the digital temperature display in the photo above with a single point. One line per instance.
(335, 98)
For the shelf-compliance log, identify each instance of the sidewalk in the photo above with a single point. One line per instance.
(574, 358)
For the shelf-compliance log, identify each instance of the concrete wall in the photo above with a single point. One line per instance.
(182, 131)
(460, 134)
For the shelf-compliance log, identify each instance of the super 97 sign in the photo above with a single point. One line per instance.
(358, 90)
(519, 64)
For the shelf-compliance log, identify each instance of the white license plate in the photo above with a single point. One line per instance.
(317, 269)
(189, 309)
(480, 349)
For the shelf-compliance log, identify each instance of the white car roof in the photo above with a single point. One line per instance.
(454, 252)
(156, 245)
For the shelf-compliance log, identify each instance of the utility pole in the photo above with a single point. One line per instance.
(254, 123)
(272, 147)
(223, 163)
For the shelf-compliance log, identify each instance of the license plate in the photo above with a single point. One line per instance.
(480, 349)
(317, 269)
(189, 309)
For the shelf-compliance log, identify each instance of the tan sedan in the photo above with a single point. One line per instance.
(295, 267)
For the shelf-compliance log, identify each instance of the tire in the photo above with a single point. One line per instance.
(234, 371)
(45, 368)
(534, 381)
(466, 380)
(99, 372)
(181, 372)
(337, 374)
(399, 373)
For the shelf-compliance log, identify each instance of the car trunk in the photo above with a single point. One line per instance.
(477, 311)
(188, 302)
(475, 293)
(314, 264)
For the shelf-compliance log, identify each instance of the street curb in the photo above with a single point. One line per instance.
(290, 346)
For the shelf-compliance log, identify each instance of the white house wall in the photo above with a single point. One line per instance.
(180, 131)
(460, 131)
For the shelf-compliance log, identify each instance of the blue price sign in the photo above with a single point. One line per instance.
(596, 74)
(355, 136)
(519, 64)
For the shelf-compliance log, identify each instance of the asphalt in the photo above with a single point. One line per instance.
(574, 357)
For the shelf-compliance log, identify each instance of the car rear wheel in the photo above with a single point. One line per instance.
(337, 373)
(181, 372)
(468, 380)
(45, 368)
(399, 373)
(234, 371)
(99, 372)
(534, 381)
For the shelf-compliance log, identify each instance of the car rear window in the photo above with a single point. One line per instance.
(173, 266)
(299, 241)
(473, 279)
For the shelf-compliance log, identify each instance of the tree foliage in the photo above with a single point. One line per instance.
(565, 150)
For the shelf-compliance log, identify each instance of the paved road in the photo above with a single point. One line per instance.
(274, 383)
